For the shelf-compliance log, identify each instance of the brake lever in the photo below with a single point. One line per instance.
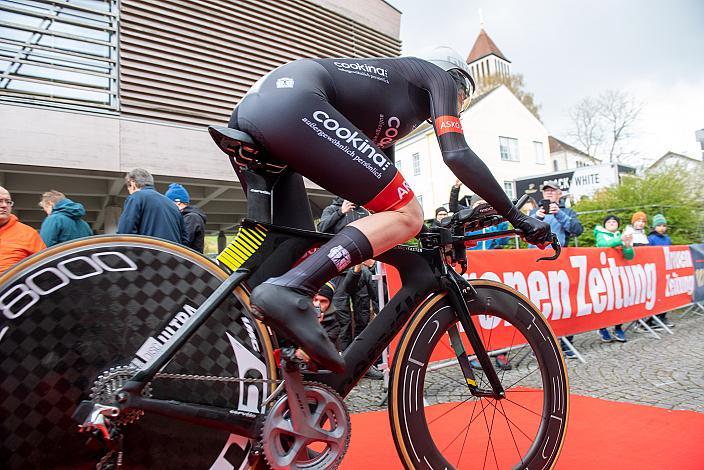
(555, 244)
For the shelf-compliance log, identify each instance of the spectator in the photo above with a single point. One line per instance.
(147, 212)
(193, 217)
(563, 220)
(17, 240)
(440, 213)
(637, 229)
(322, 301)
(563, 223)
(365, 303)
(659, 237)
(365, 296)
(455, 204)
(64, 220)
(608, 236)
(338, 214)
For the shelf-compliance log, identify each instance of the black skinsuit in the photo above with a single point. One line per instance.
(332, 119)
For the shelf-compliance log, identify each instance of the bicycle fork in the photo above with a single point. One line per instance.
(456, 296)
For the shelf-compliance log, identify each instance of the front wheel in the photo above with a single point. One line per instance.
(437, 423)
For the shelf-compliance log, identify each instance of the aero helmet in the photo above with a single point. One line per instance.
(450, 61)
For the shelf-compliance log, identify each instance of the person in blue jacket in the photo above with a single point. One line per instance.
(64, 220)
(148, 212)
(659, 236)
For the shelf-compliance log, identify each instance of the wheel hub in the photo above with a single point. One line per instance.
(319, 443)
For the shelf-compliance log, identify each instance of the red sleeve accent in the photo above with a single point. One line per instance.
(445, 124)
(395, 195)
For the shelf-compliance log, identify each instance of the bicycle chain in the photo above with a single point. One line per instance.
(214, 378)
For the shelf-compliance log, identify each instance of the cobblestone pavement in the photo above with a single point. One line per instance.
(668, 373)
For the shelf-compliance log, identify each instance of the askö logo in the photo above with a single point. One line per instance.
(362, 67)
(353, 138)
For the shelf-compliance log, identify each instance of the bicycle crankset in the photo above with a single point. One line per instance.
(318, 441)
(308, 427)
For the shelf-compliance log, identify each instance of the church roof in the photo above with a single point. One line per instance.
(483, 47)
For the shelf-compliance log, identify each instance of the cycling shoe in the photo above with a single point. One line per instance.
(292, 313)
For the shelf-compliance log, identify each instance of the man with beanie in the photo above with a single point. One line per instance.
(193, 216)
(659, 236)
(440, 213)
(65, 219)
(322, 301)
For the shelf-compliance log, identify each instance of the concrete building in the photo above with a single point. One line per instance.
(565, 157)
(90, 90)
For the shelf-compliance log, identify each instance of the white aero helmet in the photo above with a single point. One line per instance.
(450, 61)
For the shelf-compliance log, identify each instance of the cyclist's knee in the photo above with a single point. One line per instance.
(412, 216)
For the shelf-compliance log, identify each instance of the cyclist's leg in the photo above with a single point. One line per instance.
(301, 128)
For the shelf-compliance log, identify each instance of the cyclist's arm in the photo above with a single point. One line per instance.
(463, 162)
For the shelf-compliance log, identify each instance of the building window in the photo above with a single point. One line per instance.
(60, 52)
(420, 199)
(508, 188)
(508, 148)
(539, 152)
(555, 166)
(416, 164)
(398, 164)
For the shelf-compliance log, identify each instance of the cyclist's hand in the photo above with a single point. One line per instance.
(536, 232)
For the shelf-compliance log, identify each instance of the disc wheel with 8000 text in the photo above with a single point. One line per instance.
(78, 319)
(438, 424)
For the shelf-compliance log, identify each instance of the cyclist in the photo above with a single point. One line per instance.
(335, 121)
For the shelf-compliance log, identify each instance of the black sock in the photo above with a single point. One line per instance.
(348, 248)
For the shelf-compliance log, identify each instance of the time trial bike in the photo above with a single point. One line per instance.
(132, 352)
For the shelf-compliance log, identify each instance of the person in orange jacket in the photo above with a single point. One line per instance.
(17, 240)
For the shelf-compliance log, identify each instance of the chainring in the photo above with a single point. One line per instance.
(106, 386)
(284, 448)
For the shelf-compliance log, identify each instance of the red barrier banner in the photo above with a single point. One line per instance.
(586, 288)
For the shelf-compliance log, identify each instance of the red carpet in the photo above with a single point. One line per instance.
(600, 434)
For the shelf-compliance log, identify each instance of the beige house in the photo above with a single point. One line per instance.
(566, 157)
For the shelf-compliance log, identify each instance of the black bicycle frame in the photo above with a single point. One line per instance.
(423, 271)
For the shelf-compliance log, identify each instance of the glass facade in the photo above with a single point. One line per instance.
(60, 53)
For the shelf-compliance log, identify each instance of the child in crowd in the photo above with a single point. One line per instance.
(608, 236)
(637, 229)
(659, 237)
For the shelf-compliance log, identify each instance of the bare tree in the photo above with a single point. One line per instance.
(619, 111)
(602, 126)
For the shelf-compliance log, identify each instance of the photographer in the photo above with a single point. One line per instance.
(338, 214)
(563, 220)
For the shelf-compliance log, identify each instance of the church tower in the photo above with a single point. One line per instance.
(486, 59)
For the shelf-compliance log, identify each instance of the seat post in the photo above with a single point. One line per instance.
(259, 192)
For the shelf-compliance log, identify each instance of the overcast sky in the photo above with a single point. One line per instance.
(568, 50)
